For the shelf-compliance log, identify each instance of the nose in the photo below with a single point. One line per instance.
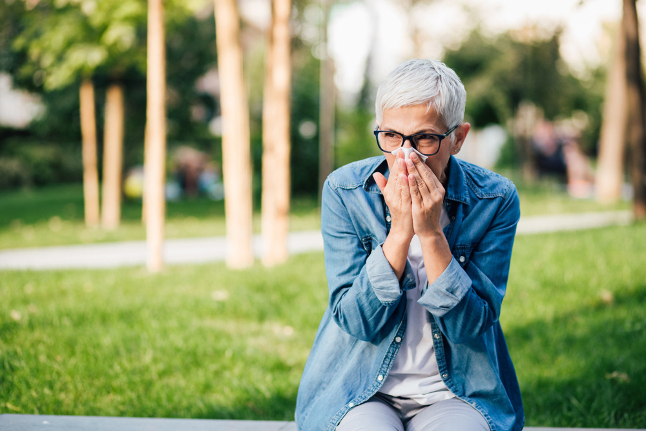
(410, 142)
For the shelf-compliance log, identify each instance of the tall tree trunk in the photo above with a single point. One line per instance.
(236, 151)
(610, 162)
(636, 109)
(112, 157)
(146, 158)
(327, 103)
(90, 174)
(275, 137)
(155, 140)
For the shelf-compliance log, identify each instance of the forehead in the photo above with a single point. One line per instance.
(409, 119)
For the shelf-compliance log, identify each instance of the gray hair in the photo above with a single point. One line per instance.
(418, 82)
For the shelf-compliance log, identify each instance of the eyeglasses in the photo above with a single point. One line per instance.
(426, 143)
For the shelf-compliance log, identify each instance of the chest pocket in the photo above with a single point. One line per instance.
(462, 253)
(369, 243)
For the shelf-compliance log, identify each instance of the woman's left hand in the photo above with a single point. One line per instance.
(427, 196)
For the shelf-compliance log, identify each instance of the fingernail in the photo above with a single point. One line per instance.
(413, 156)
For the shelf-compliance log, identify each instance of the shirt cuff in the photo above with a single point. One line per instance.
(446, 291)
(383, 279)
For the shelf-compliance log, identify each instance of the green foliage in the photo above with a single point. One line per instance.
(45, 58)
(68, 39)
(202, 341)
(26, 163)
(354, 138)
(500, 72)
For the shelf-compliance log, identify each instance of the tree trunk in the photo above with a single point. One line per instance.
(155, 145)
(326, 108)
(610, 162)
(236, 151)
(635, 102)
(275, 137)
(146, 158)
(90, 174)
(112, 157)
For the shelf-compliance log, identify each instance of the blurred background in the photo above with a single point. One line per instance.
(556, 103)
(535, 77)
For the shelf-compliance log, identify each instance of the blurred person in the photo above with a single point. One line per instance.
(548, 149)
(189, 163)
(417, 255)
(580, 175)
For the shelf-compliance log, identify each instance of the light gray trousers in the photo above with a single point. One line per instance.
(377, 414)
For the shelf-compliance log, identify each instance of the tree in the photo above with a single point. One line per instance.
(155, 152)
(276, 137)
(636, 108)
(90, 173)
(68, 40)
(327, 104)
(610, 162)
(112, 156)
(236, 153)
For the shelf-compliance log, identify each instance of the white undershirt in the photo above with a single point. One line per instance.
(415, 373)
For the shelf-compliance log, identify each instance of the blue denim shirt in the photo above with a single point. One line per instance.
(364, 323)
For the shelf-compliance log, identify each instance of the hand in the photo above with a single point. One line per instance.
(427, 197)
(397, 196)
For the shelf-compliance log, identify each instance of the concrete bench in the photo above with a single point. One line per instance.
(16, 422)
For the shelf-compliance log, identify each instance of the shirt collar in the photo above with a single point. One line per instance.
(456, 188)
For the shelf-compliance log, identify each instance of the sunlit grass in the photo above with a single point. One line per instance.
(54, 216)
(203, 341)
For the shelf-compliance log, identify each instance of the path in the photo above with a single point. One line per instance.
(212, 249)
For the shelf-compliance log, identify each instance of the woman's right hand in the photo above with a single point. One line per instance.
(396, 193)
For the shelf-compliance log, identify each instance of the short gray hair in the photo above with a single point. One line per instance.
(418, 82)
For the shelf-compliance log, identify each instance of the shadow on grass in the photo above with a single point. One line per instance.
(585, 368)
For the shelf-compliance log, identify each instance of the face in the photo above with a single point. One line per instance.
(409, 120)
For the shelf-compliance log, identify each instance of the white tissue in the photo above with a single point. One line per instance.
(407, 151)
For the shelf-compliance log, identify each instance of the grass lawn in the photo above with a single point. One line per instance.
(201, 341)
(54, 215)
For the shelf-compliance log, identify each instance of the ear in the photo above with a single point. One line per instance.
(460, 135)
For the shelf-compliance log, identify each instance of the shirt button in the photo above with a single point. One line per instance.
(436, 335)
(444, 376)
(398, 339)
(351, 405)
(462, 259)
(380, 377)
(388, 218)
(453, 218)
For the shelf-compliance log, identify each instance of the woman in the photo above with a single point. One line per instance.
(417, 252)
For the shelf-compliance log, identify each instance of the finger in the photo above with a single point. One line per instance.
(423, 189)
(404, 189)
(415, 193)
(380, 180)
(428, 176)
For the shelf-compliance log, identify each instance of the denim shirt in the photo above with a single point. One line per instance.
(364, 323)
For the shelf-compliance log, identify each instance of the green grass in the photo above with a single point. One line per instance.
(54, 216)
(202, 341)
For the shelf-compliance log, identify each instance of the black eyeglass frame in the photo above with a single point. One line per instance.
(411, 138)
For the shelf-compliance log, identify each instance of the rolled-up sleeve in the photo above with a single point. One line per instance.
(466, 300)
(364, 290)
(384, 280)
(447, 290)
